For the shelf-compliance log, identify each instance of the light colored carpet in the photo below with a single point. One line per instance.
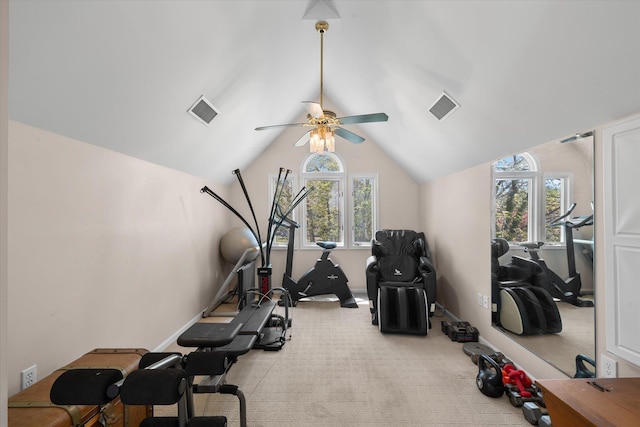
(339, 370)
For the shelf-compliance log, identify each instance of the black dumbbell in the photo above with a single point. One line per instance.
(533, 412)
(544, 421)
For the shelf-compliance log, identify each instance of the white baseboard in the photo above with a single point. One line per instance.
(172, 339)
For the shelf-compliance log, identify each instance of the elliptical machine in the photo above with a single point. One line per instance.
(567, 290)
(324, 277)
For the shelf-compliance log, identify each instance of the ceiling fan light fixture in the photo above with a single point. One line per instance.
(330, 142)
(321, 140)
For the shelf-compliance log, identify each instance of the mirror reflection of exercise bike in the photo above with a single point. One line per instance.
(324, 277)
(567, 290)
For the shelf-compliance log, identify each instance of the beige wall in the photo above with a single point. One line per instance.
(398, 196)
(104, 250)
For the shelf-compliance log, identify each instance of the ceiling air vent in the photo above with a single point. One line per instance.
(203, 110)
(443, 107)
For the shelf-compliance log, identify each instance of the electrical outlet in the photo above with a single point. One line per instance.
(485, 301)
(479, 299)
(28, 376)
(608, 367)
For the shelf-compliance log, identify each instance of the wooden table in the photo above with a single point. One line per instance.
(578, 402)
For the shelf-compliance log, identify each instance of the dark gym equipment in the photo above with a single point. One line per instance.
(323, 278)
(401, 282)
(219, 346)
(244, 272)
(475, 349)
(567, 290)
(153, 383)
(544, 421)
(489, 378)
(460, 331)
(521, 303)
(264, 272)
(533, 412)
(581, 369)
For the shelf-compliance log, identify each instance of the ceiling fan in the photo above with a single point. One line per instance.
(323, 123)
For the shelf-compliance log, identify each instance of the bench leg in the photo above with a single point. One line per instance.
(233, 389)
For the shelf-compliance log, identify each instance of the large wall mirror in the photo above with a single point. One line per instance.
(542, 250)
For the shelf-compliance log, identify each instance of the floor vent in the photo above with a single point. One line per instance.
(443, 107)
(203, 110)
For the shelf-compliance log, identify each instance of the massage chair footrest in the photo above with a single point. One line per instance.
(402, 310)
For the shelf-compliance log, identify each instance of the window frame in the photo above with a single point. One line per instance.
(352, 208)
(346, 204)
(536, 197)
(329, 176)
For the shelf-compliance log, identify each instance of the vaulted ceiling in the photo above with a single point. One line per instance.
(122, 74)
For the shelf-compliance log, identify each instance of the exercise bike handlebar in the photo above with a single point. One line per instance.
(558, 221)
(580, 221)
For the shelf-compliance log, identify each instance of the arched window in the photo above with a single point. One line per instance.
(323, 209)
(338, 202)
(526, 200)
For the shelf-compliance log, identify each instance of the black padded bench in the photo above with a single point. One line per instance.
(236, 337)
(220, 344)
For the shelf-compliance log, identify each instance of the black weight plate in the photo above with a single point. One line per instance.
(475, 349)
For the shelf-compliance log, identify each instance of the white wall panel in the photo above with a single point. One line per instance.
(622, 237)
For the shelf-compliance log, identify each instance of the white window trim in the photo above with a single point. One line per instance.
(566, 196)
(537, 226)
(346, 204)
(352, 177)
(335, 176)
(341, 176)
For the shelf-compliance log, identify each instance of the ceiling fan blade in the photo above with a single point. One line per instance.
(348, 135)
(303, 140)
(364, 118)
(314, 109)
(290, 125)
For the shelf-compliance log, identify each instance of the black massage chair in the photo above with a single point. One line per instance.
(520, 302)
(401, 282)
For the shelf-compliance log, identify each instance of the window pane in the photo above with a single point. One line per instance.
(512, 209)
(285, 194)
(512, 163)
(322, 163)
(553, 208)
(323, 214)
(362, 210)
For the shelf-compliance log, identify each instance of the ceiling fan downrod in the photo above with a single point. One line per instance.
(322, 27)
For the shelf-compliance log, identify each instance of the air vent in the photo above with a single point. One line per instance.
(203, 110)
(443, 107)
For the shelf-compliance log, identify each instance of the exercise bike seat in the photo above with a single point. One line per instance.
(327, 245)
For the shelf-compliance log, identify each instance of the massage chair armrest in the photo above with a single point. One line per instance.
(371, 264)
(371, 271)
(428, 273)
(426, 266)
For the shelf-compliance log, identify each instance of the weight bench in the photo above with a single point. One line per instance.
(160, 380)
(220, 344)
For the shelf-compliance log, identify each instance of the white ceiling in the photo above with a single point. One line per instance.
(122, 74)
